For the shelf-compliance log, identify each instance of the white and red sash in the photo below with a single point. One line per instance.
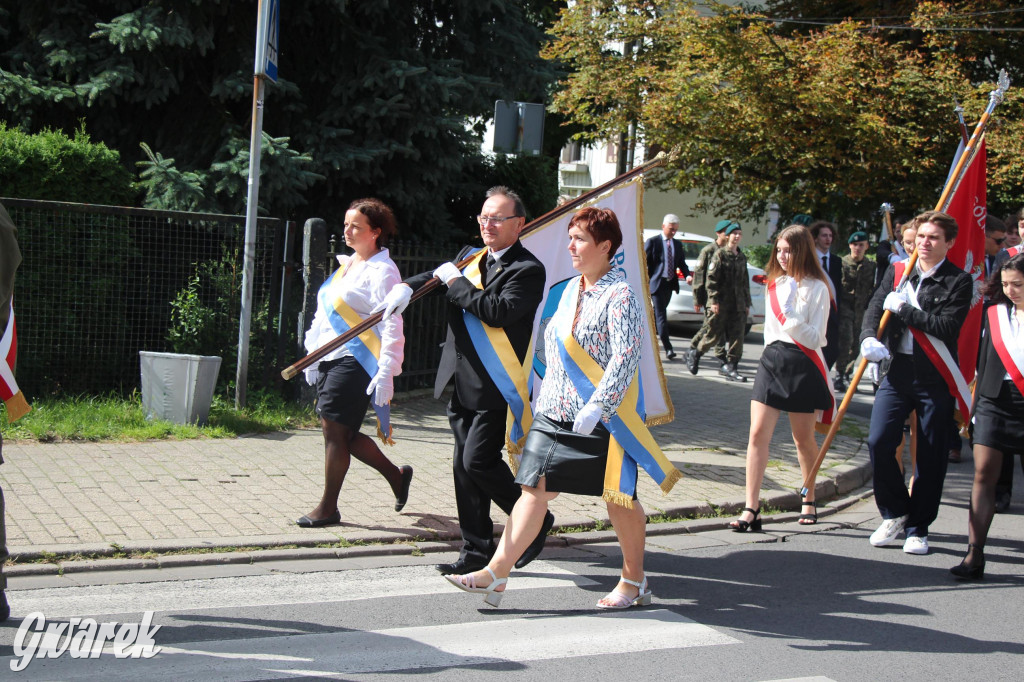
(1015, 250)
(17, 406)
(939, 355)
(825, 417)
(1012, 355)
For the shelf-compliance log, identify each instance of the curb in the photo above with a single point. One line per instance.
(848, 488)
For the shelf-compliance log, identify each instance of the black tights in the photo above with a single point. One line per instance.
(988, 462)
(341, 443)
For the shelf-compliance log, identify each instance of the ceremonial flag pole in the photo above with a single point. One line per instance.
(952, 182)
(339, 341)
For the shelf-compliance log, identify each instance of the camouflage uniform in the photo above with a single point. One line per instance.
(857, 287)
(728, 285)
(712, 323)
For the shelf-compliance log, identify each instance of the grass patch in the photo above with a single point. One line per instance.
(853, 429)
(119, 419)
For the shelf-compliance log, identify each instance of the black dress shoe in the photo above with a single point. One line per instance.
(306, 522)
(1002, 502)
(403, 492)
(460, 567)
(534, 550)
(671, 354)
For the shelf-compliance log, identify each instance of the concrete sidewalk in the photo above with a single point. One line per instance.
(71, 499)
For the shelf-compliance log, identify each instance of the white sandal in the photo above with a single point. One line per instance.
(467, 583)
(622, 601)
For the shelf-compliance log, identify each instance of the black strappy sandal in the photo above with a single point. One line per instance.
(808, 519)
(741, 526)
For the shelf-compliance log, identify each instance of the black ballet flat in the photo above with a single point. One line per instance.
(332, 520)
(972, 571)
(403, 492)
(741, 526)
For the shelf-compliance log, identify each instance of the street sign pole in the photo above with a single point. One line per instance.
(267, 27)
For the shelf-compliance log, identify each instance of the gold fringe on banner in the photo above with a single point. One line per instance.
(17, 407)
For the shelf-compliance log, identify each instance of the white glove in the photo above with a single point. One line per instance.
(894, 300)
(873, 350)
(447, 272)
(587, 419)
(312, 373)
(789, 291)
(396, 301)
(872, 372)
(382, 388)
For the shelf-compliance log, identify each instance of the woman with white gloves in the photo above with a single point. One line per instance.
(363, 369)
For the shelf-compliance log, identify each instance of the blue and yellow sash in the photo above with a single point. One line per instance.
(506, 371)
(631, 442)
(365, 348)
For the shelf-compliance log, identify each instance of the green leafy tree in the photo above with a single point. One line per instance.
(830, 121)
(373, 97)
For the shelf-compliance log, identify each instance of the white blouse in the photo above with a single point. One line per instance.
(807, 324)
(363, 286)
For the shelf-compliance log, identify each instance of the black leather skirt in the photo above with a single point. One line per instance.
(999, 423)
(569, 461)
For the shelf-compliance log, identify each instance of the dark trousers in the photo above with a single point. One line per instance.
(660, 299)
(481, 475)
(899, 394)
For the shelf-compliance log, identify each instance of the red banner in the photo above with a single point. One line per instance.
(967, 206)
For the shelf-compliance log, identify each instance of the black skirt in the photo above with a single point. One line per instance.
(788, 380)
(341, 392)
(569, 461)
(999, 423)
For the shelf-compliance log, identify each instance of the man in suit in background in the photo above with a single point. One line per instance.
(665, 255)
(823, 233)
(513, 287)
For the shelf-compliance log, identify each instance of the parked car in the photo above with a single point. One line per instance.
(680, 310)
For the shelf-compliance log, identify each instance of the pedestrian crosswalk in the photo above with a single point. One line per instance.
(503, 638)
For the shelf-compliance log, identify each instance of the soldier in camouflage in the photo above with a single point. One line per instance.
(858, 284)
(700, 300)
(728, 289)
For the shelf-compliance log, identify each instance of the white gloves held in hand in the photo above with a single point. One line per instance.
(382, 387)
(872, 373)
(873, 350)
(396, 301)
(312, 373)
(587, 419)
(447, 272)
(894, 300)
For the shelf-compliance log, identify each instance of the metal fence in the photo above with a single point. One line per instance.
(97, 284)
(100, 283)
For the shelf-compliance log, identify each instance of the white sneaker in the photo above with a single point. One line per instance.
(888, 531)
(916, 545)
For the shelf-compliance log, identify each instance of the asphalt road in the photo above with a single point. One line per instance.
(783, 604)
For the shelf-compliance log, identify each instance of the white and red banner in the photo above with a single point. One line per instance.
(14, 400)
(967, 206)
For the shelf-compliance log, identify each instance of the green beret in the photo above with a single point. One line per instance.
(801, 219)
(859, 236)
(733, 227)
(722, 224)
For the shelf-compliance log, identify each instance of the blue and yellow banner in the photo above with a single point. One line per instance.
(365, 348)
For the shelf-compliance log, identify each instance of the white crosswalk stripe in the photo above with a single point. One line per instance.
(343, 652)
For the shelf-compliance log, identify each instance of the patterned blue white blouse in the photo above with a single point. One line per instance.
(610, 329)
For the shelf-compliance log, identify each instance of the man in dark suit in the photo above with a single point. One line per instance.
(930, 308)
(513, 286)
(665, 255)
(823, 233)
